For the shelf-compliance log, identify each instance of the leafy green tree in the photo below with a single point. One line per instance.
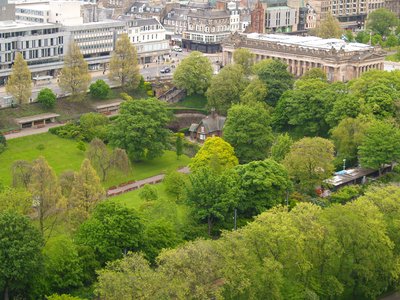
(275, 75)
(347, 137)
(256, 91)
(211, 195)
(140, 129)
(245, 59)
(19, 83)
(362, 37)
(382, 21)
(179, 144)
(175, 184)
(345, 106)
(111, 231)
(20, 254)
(304, 108)
(248, 130)
(21, 173)
(349, 36)
(380, 146)
(329, 27)
(263, 184)
(99, 89)
(62, 265)
(148, 193)
(281, 147)
(215, 153)
(315, 73)
(194, 73)
(75, 77)
(392, 41)
(124, 68)
(15, 200)
(106, 161)
(376, 39)
(93, 125)
(62, 297)
(225, 88)
(86, 191)
(309, 162)
(47, 98)
(46, 193)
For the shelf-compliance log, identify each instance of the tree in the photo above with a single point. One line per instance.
(215, 153)
(148, 193)
(62, 297)
(211, 195)
(104, 160)
(263, 185)
(47, 98)
(20, 253)
(275, 75)
(248, 130)
(99, 89)
(392, 41)
(140, 129)
(346, 106)
(315, 73)
(175, 184)
(309, 162)
(75, 77)
(245, 59)
(46, 192)
(86, 191)
(281, 147)
(16, 201)
(382, 21)
(194, 73)
(94, 125)
(225, 88)
(63, 270)
(124, 68)
(347, 137)
(19, 83)
(111, 231)
(179, 144)
(329, 28)
(380, 146)
(256, 91)
(21, 173)
(66, 180)
(3, 140)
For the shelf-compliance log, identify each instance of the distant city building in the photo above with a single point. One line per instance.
(257, 23)
(340, 60)
(394, 6)
(7, 11)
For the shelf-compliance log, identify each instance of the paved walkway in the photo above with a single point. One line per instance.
(138, 184)
(31, 131)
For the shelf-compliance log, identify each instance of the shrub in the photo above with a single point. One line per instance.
(81, 146)
(47, 98)
(93, 125)
(150, 93)
(345, 194)
(99, 89)
(40, 147)
(69, 131)
(147, 86)
(148, 193)
(125, 96)
(3, 140)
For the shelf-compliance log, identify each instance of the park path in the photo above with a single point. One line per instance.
(30, 131)
(138, 184)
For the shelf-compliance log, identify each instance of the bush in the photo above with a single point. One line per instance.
(47, 98)
(3, 140)
(99, 89)
(147, 86)
(150, 93)
(345, 194)
(70, 131)
(40, 147)
(81, 146)
(148, 193)
(93, 125)
(125, 96)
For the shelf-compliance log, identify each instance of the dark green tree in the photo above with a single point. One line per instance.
(148, 193)
(281, 147)
(275, 75)
(382, 21)
(263, 184)
(93, 125)
(20, 255)
(245, 59)
(111, 231)
(179, 144)
(175, 184)
(47, 98)
(99, 89)
(140, 129)
(248, 130)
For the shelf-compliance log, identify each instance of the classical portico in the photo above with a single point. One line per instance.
(341, 61)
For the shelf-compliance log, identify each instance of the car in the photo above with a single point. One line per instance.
(165, 70)
(177, 49)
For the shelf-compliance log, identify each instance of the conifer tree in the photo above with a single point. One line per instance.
(19, 83)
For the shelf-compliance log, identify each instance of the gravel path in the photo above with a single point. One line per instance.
(31, 131)
(137, 184)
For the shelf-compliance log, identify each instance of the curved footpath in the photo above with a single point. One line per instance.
(138, 184)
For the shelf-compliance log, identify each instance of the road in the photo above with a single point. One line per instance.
(148, 71)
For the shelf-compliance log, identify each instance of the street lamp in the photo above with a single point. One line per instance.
(344, 164)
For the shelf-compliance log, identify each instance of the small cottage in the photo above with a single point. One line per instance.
(209, 126)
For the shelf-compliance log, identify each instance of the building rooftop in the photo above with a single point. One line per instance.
(36, 118)
(311, 42)
(15, 25)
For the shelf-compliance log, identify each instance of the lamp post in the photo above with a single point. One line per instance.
(344, 164)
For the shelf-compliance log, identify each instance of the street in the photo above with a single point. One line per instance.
(148, 71)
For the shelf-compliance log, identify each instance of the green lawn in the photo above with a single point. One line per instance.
(62, 154)
(392, 57)
(192, 101)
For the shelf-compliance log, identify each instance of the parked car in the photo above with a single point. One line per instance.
(165, 70)
(177, 49)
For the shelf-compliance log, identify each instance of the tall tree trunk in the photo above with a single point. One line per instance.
(209, 221)
(41, 217)
(6, 296)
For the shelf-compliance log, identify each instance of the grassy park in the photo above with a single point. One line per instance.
(63, 154)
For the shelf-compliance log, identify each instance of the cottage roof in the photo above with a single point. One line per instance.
(210, 123)
(193, 127)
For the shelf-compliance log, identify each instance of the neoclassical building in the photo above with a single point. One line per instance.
(340, 60)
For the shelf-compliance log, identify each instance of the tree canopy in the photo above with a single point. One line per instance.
(245, 59)
(329, 27)
(19, 83)
(194, 73)
(382, 21)
(47, 98)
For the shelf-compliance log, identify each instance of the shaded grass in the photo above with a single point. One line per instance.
(63, 154)
(192, 101)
